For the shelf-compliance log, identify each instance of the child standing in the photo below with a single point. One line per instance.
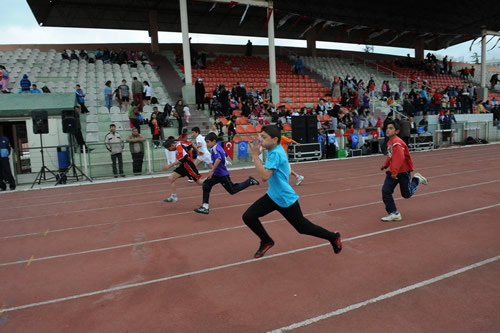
(155, 130)
(400, 167)
(284, 143)
(280, 196)
(185, 166)
(187, 114)
(219, 174)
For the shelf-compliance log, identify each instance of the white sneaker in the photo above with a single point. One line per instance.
(421, 178)
(171, 199)
(299, 180)
(392, 217)
(190, 180)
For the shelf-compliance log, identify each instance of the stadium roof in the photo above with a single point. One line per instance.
(438, 24)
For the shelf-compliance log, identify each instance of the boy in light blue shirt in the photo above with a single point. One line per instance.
(280, 196)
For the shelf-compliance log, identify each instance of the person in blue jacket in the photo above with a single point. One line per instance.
(25, 84)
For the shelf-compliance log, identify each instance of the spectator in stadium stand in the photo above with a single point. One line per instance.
(405, 130)
(299, 66)
(78, 132)
(494, 81)
(336, 87)
(114, 144)
(35, 90)
(124, 94)
(136, 144)
(137, 89)
(355, 100)
(80, 98)
(438, 100)
(445, 65)
(147, 92)
(74, 56)
(413, 126)
(425, 98)
(25, 84)
(179, 115)
(108, 94)
(424, 122)
(5, 78)
(224, 100)
(321, 107)
(5, 172)
(133, 115)
(249, 50)
(472, 71)
(64, 55)
(98, 54)
(83, 55)
(242, 92)
(199, 88)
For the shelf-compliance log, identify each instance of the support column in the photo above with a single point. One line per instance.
(483, 90)
(188, 93)
(311, 42)
(273, 85)
(153, 31)
(419, 49)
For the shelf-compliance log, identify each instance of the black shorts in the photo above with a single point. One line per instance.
(147, 98)
(125, 99)
(188, 169)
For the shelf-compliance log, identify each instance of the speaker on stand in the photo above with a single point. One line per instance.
(71, 125)
(299, 129)
(40, 120)
(312, 129)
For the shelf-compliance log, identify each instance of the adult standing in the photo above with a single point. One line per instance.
(108, 93)
(5, 172)
(137, 89)
(179, 114)
(494, 80)
(80, 97)
(336, 87)
(133, 115)
(77, 133)
(200, 94)
(114, 144)
(405, 131)
(5, 79)
(249, 50)
(299, 66)
(136, 141)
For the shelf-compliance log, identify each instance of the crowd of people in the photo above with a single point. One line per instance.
(121, 56)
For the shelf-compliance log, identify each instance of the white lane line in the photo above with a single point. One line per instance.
(321, 164)
(239, 263)
(385, 296)
(215, 194)
(241, 226)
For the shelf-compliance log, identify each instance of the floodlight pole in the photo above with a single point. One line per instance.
(272, 53)
(185, 43)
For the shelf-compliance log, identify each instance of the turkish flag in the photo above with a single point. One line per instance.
(232, 4)
(229, 148)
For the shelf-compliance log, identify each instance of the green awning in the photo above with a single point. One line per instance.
(21, 105)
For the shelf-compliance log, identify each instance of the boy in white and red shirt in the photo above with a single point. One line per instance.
(400, 167)
(185, 166)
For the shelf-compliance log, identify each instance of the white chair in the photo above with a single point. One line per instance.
(103, 109)
(92, 137)
(116, 117)
(91, 118)
(115, 109)
(92, 127)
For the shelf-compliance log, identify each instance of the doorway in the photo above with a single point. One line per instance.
(18, 137)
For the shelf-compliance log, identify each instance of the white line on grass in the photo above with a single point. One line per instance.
(239, 263)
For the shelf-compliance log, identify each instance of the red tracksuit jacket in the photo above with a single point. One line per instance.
(398, 157)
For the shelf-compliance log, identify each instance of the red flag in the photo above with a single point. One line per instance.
(229, 148)
(232, 4)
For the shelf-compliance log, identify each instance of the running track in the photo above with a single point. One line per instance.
(115, 258)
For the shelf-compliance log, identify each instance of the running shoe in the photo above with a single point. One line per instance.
(201, 210)
(171, 199)
(392, 217)
(299, 180)
(190, 180)
(337, 243)
(421, 178)
(263, 249)
(253, 181)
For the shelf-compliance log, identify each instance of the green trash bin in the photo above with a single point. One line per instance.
(341, 153)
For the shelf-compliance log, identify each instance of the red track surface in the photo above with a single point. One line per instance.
(115, 258)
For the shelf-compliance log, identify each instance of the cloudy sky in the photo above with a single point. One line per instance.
(18, 26)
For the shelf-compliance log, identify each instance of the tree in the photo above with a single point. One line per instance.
(475, 58)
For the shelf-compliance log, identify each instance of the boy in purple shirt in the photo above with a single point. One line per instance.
(219, 174)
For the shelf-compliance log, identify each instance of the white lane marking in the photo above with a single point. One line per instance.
(385, 296)
(321, 164)
(238, 227)
(239, 263)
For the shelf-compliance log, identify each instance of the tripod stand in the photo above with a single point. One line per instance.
(77, 172)
(41, 174)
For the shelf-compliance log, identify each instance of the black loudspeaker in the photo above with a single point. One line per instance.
(70, 122)
(40, 121)
(312, 129)
(299, 129)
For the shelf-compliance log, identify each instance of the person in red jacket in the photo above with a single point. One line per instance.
(400, 167)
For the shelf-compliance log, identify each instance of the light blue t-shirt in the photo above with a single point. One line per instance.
(279, 189)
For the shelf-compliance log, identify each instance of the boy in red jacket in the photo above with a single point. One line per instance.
(400, 167)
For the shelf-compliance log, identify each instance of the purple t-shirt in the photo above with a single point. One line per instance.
(218, 152)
